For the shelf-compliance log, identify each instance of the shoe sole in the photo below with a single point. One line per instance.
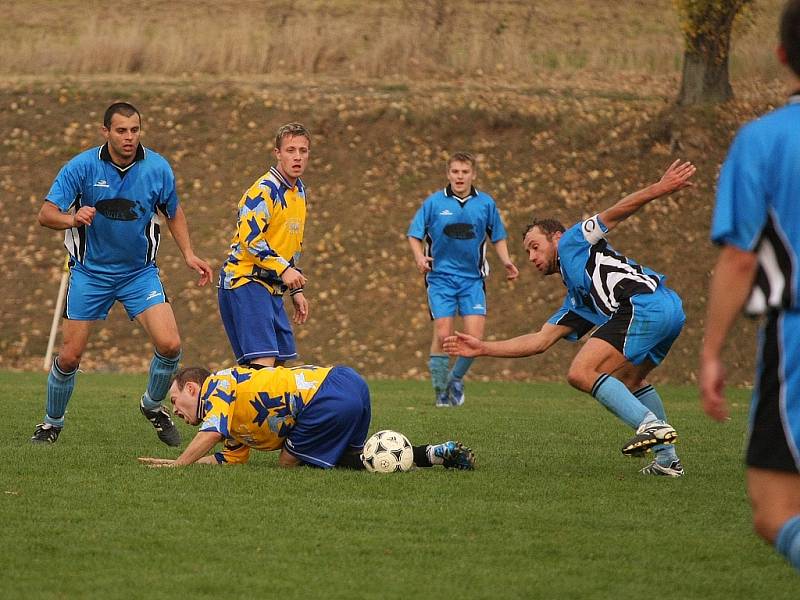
(640, 447)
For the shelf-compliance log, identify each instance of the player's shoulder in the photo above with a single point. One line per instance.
(87, 157)
(436, 196)
(484, 197)
(779, 122)
(154, 160)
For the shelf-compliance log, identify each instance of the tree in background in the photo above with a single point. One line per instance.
(707, 27)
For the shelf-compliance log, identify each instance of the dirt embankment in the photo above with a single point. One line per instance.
(559, 149)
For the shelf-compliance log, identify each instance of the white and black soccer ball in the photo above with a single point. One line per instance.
(387, 452)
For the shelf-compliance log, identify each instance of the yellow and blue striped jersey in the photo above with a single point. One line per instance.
(269, 233)
(256, 408)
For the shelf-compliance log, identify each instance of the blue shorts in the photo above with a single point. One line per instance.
(775, 409)
(335, 421)
(256, 323)
(449, 296)
(645, 326)
(91, 296)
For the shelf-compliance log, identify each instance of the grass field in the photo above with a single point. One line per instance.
(554, 510)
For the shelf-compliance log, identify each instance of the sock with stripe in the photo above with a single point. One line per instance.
(461, 367)
(618, 399)
(438, 364)
(664, 453)
(161, 371)
(59, 390)
(788, 541)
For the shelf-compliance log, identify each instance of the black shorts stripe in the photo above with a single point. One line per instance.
(767, 448)
(615, 330)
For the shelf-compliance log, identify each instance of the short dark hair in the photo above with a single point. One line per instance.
(546, 226)
(196, 375)
(291, 130)
(464, 157)
(790, 34)
(123, 108)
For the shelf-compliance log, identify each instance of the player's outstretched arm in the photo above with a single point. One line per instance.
(728, 292)
(675, 178)
(196, 452)
(180, 233)
(529, 344)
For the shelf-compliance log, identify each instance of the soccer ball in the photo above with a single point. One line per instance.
(387, 452)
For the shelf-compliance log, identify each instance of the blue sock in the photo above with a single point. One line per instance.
(161, 371)
(438, 365)
(461, 367)
(664, 453)
(788, 541)
(617, 398)
(59, 390)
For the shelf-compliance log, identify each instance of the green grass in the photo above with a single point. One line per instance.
(554, 510)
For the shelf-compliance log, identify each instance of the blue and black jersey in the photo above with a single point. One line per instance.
(125, 233)
(758, 205)
(455, 231)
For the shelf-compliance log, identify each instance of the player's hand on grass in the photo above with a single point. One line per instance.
(202, 267)
(156, 462)
(462, 344)
(293, 278)
(300, 308)
(712, 389)
(424, 264)
(677, 176)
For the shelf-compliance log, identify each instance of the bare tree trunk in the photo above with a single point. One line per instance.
(705, 76)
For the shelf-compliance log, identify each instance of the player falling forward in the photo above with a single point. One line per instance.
(316, 416)
(637, 319)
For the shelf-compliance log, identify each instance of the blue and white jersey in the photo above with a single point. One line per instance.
(597, 277)
(455, 231)
(125, 232)
(758, 205)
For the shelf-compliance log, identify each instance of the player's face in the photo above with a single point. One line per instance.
(460, 175)
(292, 156)
(543, 253)
(123, 138)
(184, 402)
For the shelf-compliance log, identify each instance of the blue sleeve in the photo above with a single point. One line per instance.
(741, 207)
(495, 227)
(418, 225)
(168, 203)
(67, 186)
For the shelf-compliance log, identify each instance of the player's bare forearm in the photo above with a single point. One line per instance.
(50, 216)
(179, 229)
(529, 344)
(501, 247)
(422, 262)
(198, 448)
(728, 291)
(676, 177)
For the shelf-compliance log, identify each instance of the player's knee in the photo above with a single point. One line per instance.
(576, 377)
(766, 525)
(170, 348)
(68, 361)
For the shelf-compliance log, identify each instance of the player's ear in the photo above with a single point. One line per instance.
(780, 52)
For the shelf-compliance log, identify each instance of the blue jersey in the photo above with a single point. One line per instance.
(597, 277)
(125, 233)
(758, 205)
(455, 231)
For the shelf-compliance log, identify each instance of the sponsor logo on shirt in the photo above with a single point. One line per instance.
(460, 231)
(119, 209)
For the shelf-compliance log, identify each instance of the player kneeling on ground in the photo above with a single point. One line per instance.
(317, 416)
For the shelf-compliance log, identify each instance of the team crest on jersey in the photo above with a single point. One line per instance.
(293, 226)
(460, 231)
(119, 209)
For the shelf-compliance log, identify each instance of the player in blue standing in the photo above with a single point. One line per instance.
(757, 223)
(448, 238)
(637, 319)
(107, 200)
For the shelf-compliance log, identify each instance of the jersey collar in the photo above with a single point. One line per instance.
(105, 155)
(282, 180)
(448, 191)
(794, 97)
